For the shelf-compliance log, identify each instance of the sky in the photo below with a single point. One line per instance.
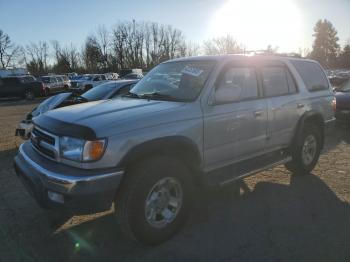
(286, 24)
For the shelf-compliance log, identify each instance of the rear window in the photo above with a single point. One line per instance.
(312, 74)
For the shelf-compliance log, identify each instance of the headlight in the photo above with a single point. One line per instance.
(81, 150)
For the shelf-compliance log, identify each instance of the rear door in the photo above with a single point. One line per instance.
(284, 104)
(235, 125)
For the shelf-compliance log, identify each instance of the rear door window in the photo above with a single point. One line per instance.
(312, 74)
(277, 81)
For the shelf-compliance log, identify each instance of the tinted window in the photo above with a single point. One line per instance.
(99, 91)
(237, 83)
(312, 75)
(10, 81)
(277, 81)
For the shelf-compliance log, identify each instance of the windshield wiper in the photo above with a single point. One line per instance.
(131, 94)
(159, 96)
(81, 98)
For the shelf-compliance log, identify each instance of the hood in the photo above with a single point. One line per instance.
(343, 100)
(119, 115)
(49, 104)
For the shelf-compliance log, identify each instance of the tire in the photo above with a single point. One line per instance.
(46, 92)
(309, 139)
(29, 94)
(140, 185)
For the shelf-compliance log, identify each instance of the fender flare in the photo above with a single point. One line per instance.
(177, 146)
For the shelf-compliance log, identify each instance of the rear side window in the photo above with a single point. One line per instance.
(312, 75)
(277, 81)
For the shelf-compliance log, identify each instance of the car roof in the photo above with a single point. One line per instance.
(240, 57)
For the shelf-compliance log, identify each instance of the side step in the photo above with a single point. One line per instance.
(246, 168)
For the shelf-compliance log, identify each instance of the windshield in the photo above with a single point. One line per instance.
(345, 87)
(182, 81)
(99, 92)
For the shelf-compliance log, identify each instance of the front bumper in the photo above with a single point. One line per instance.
(77, 188)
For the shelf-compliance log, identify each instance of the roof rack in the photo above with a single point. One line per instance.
(269, 52)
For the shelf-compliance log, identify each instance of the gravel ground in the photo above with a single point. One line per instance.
(272, 216)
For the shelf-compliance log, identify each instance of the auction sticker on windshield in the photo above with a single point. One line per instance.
(192, 71)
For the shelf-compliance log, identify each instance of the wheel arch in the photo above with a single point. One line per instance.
(310, 117)
(179, 147)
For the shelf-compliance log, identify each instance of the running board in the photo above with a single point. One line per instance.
(253, 172)
(246, 168)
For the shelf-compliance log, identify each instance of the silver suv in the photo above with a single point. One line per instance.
(189, 122)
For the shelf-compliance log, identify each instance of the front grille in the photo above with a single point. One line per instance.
(44, 137)
(43, 142)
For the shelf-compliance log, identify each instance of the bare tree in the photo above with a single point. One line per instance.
(92, 55)
(8, 50)
(36, 57)
(222, 45)
(104, 41)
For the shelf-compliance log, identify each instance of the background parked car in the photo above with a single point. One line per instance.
(87, 82)
(54, 84)
(342, 96)
(132, 76)
(20, 86)
(107, 90)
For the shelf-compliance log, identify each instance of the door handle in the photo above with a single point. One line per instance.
(258, 113)
(300, 105)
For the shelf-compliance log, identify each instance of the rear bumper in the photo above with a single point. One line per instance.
(54, 184)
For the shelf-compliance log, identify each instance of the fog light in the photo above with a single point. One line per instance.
(56, 197)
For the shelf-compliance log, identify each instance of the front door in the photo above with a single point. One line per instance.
(235, 125)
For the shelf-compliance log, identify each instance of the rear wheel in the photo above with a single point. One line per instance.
(29, 95)
(305, 150)
(154, 200)
(46, 92)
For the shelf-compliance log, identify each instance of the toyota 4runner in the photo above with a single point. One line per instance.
(194, 121)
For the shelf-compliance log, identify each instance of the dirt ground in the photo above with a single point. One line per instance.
(269, 217)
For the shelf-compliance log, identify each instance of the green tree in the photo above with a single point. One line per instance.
(344, 57)
(325, 47)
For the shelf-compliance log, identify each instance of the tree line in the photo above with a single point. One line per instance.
(132, 44)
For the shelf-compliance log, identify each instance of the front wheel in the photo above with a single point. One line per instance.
(305, 150)
(154, 201)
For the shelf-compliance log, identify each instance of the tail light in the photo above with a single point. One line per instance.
(334, 104)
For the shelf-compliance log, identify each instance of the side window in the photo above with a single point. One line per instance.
(103, 77)
(312, 74)
(236, 84)
(277, 81)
